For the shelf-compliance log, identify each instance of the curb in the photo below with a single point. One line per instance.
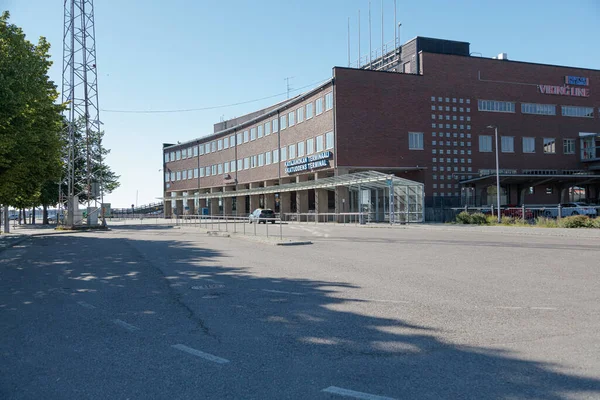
(13, 243)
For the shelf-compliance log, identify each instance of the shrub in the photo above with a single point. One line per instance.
(491, 219)
(463, 218)
(506, 220)
(593, 223)
(574, 221)
(544, 222)
(479, 219)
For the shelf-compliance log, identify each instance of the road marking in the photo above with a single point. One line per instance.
(544, 308)
(384, 301)
(351, 393)
(86, 305)
(509, 308)
(125, 325)
(201, 354)
(281, 291)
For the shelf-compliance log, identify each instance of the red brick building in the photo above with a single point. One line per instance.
(422, 112)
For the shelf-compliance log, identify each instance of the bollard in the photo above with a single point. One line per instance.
(267, 226)
(523, 212)
(559, 211)
(255, 223)
(244, 223)
(280, 230)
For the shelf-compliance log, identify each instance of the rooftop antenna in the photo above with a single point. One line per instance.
(382, 43)
(370, 51)
(287, 84)
(395, 27)
(359, 55)
(348, 42)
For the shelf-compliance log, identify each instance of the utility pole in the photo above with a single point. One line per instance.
(80, 92)
(287, 84)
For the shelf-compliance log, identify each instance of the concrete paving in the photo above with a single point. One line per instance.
(145, 312)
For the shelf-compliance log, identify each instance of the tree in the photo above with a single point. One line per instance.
(30, 120)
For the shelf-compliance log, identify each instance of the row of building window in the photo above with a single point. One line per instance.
(507, 145)
(454, 100)
(536, 109)
(300, 149)
(451, 117)
(284, 121)
(448, 109)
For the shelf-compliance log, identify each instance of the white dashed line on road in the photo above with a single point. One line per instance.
(545, 308)
(200, 354)
(351, 393)
(281, 292)
(129, 327)
(384, 301)
(86, 305)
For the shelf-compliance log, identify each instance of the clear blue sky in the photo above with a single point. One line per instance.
(179, 54)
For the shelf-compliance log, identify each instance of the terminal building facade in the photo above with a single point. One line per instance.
(424, 113)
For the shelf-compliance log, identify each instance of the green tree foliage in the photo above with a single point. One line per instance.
(30, 120)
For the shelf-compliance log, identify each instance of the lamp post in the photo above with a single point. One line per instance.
(497, 171)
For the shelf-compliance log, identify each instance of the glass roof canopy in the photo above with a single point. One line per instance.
(354, 181)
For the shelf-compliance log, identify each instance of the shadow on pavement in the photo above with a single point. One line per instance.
(299, 317)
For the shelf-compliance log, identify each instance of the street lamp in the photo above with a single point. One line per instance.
(497, 171)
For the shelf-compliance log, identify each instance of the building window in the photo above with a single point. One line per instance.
(485, 143)
(214, 169)
(253, 162)
(319, 106)
(207, 171)
(292, 151)
(267, 128)
(283, 153)
(261, 159)
(329, 101)
(319, 143)
(260, 132)
(432, 98)
(213, 147)
(275, 125)
(528, 145)
(310, 146)
(195, 151)
(329, 140)
(184, 174)
(283, 122)
(246, 162)
(232, 166)
(178, 175)
(246, 137)
(301, 149)
(300, 114)
(497, 106)
(572, 111)
(268, 158)
(549, 146)
(292, 118)
(240, 164)
(226, 143)
(226, 167)
(538, 109)
(220, 144)
(508, 144)
(239, 139)
(220, 169)
(252, 133)
(201, 172)
(415, 141)
(569, 146)
(433, 108)
(309, 110)
(178, 155)
(275, 156)
(166, 157)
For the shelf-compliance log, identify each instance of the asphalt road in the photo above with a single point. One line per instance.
(159, 312)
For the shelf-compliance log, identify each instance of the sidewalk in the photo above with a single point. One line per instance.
(19, 233)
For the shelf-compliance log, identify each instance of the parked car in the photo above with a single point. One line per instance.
(262, 215)
(511, 210)
(578, 209)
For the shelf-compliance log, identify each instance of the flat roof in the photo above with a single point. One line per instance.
(537, 179)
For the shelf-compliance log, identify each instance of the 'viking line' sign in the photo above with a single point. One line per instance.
(566, 90)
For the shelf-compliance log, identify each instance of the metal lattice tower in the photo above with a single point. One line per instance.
(80, 93)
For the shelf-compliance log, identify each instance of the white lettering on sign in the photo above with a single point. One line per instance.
(564, 90)
(319, 160)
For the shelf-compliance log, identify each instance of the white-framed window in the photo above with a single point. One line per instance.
(275, 156)
(220, 169)
(246, 163)
(301, 149)
(178, 155)
(190, 173)
(226, 143)
(292, 151)
(184, 174)
(275, 125)
(310, 146)
(246, 137)
(260, 131)
(485, 143)
(329, 140)
(569, 146)
(415, 140)
(319, 143)
(268, 158)
(283, 122)
(309, 110)
(183, 154)
(329, 101)
(528, 145)
(239, 138)
(319, 106)
(201, 172)
(267, 128)
(549, 146)
(172, 156)
(253, 162)
(240, 164)
(167, 176)
(213, 147)
(300, 114)
(195, 151)
(572, 111)
(283, 153)
(252, 133)
(232, 166)
(207, 171)
(292, 118)
(261, 159)
(497, 106)
(178, 175)
(220, 144)
(166, 157)
(538, 109)
(232, 141)
(226, 167)
(173, 176)
(508, 144)
(214, 169)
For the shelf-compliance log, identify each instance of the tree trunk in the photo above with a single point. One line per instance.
(44, 214)
(33, 216)
(21, 215)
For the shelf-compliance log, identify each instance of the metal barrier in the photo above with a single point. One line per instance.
(357, 218)
(230, 223)
(530, 213)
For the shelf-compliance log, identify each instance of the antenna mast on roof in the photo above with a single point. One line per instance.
(287, 85)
